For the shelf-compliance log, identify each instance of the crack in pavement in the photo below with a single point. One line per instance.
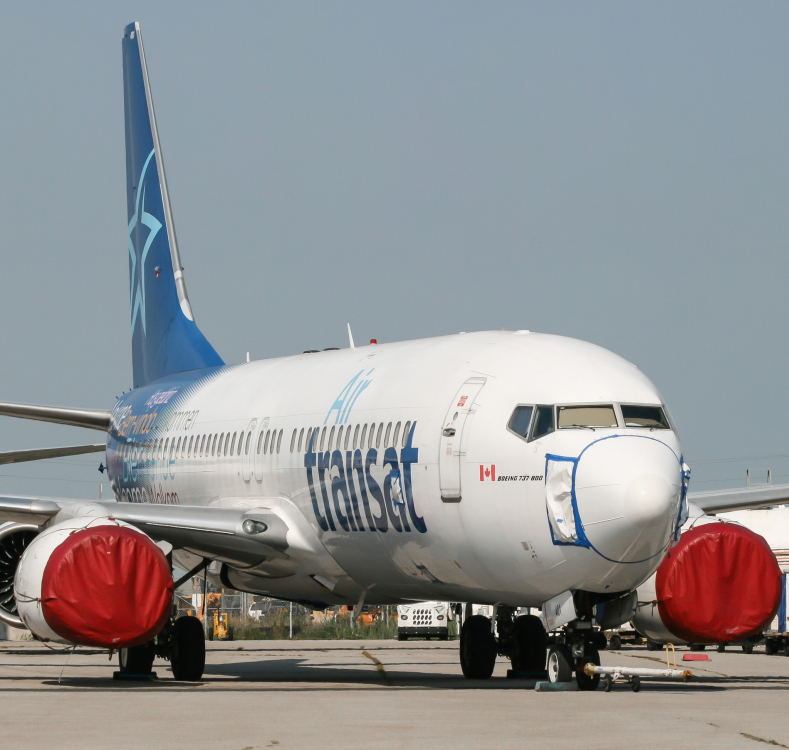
(378, 666)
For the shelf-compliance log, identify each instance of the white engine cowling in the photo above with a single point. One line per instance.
(94, 582)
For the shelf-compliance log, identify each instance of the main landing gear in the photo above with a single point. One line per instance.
(181, 642)
(524, 641)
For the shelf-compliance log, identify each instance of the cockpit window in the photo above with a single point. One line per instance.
(543, 422)
(651, 417)
(587, 416)
(520, 420)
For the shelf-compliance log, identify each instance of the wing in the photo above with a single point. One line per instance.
(720, 501)
(242, 537)
(37, 454)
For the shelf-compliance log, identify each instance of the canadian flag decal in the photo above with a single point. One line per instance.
(487, 472)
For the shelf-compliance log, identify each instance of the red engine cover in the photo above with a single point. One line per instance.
(719, 584)
(107, 586)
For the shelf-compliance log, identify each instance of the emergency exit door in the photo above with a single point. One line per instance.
(454, 435)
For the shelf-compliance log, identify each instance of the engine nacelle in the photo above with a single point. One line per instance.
(719, 584)
(14, 540)
(94, 582)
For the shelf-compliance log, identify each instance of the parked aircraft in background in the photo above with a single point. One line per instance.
(508, 468)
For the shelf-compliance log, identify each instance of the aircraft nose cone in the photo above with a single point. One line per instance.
(628, 493)
(647, 499)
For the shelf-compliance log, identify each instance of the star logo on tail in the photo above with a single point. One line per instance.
(139, 252)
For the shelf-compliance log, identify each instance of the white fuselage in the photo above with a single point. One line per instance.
(472, 516)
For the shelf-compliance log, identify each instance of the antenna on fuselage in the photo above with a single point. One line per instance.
(350, 337)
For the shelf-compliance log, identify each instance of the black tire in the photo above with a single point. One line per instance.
(188, 655)
(654, 645)
(444, 636)
(560, 663)
(770, 647)
(136, 660)
(721, 648)
(530, 647)
(477, 648)
(608, 682)
(636, 683)
(402, 637)
(585, 682)
(698, 647)
(615, 642)
(747, 648)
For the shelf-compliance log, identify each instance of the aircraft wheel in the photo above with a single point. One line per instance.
(654, 646)
(477, 648)
(747, 648)
(721, 647)
(560, 663)
(585, 682)
(531, 644)
(136, 660)
(188, 656)
(615, 642)
(698, 647)
(770, 647)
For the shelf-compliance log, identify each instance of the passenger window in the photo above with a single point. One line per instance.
(378, 436)
(293, 440)
(590, 417)
(388, 432)
(396, 435)
(265, 445)
(406, 432)
(279, 440)
(213, 444)
(246, 446)
(347, 437)
(301, 435)
(260, 441)
(331, 439)
(356, 436)
(520, 420)
(232, 444)
(364, 435)
(651, 417)
(371, 436)
(166, 446)
(323, 437)
(543, 422)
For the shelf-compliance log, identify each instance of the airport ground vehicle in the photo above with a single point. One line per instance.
(423, 620)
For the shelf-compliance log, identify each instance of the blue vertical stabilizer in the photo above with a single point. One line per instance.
(165, 339)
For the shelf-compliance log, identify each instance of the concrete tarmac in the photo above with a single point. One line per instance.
(380, 694)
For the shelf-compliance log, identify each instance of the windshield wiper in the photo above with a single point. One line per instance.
(582, 427)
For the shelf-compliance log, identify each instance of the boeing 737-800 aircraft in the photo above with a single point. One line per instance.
(504, 467)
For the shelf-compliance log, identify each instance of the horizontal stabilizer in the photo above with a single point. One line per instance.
(746, 498)
(38, 454)
(93, 419)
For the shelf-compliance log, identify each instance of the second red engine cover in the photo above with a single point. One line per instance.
(107, 586)
(720, 583)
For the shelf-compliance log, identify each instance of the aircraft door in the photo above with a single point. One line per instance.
(453, 441)
(248, 451)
